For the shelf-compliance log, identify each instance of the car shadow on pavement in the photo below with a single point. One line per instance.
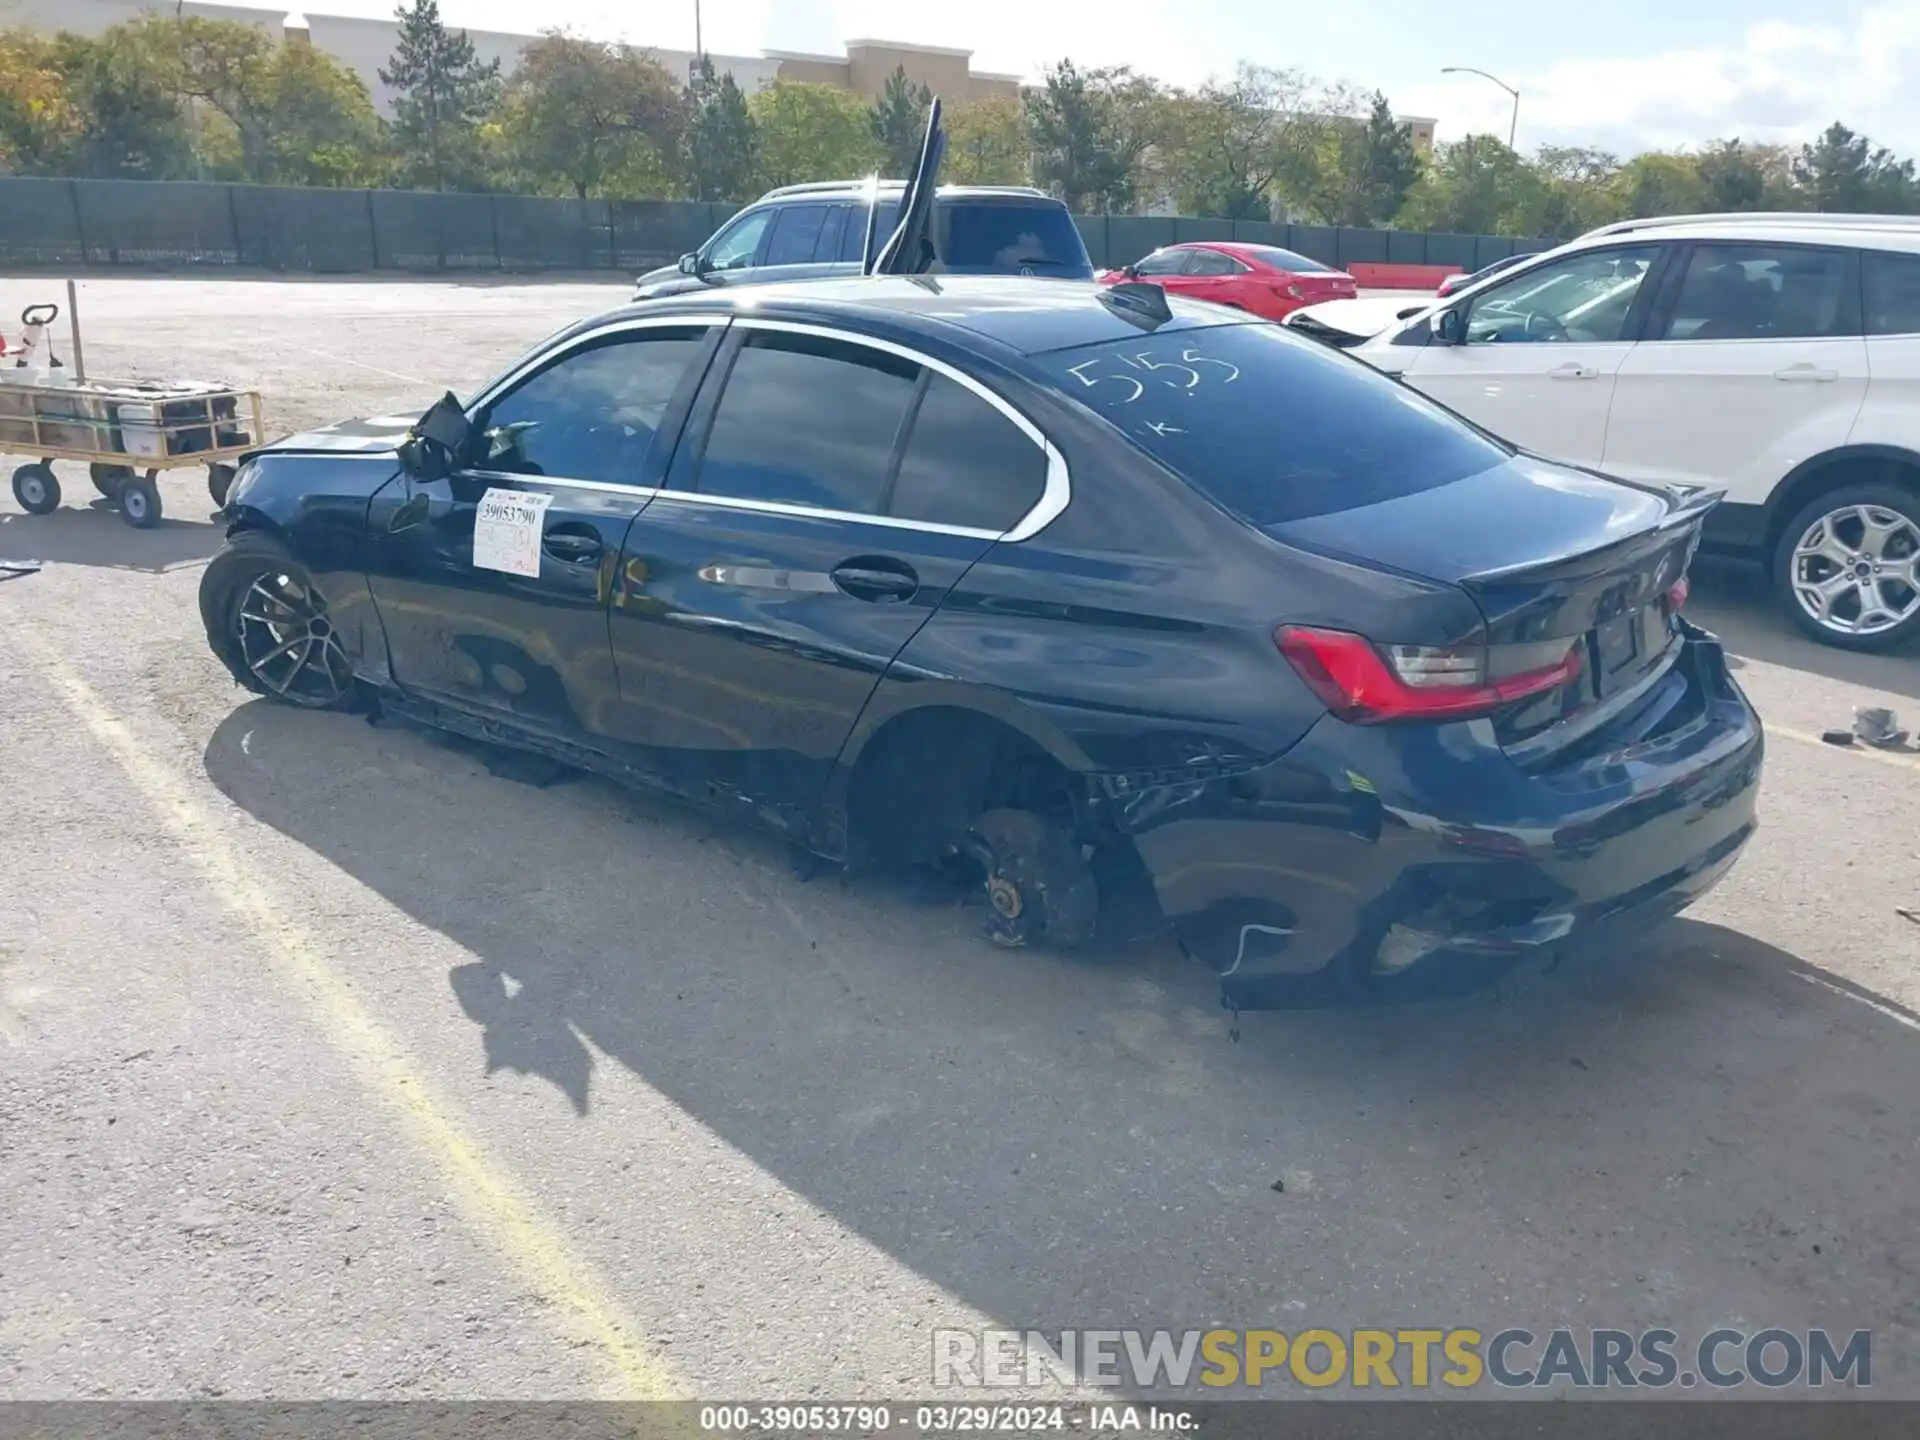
(1732, 601)
(95, 535)
(1688, 1130)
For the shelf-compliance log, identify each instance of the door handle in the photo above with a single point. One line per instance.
(575, 544)
(1571, 371)
(880, 580)
(1806, 372)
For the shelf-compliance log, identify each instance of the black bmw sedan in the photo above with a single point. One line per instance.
(1093, 595)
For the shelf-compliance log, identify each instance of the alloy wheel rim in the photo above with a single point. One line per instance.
(289, 643)
(1856, 570)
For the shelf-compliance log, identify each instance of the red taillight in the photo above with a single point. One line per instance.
(1367, 684)
(1677, 595)
(1292, 292)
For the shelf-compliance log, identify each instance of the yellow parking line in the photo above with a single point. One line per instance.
(529, 1243)
(1885, 757)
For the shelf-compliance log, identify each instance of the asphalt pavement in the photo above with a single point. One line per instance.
(332, 1064)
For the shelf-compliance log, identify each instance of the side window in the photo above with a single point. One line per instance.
(733, 248)
(1162, 262)
(966, 463)
(856, 232)
(1213, 262)
(592, 415)
(795, 234)
(1893, 294)
(1584, 299)
(808, 421)
(832, 234)
(1762, 292)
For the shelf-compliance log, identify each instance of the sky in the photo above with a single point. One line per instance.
(1623, 75)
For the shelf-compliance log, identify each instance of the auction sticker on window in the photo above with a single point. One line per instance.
(507, 529)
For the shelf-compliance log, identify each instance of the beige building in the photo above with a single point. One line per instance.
(868, 64)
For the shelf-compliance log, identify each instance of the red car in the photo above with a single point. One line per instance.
(1262, 279)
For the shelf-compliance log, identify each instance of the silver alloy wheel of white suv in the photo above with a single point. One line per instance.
(1854, 569)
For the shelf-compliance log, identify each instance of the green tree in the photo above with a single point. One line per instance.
(1476, 186)
(1389, 165)
(445, 91)
(812, 132)
(40, 121)
(1658, 184)
(1578, 192)
(899, 120)
(585, 119)
(1223, 147)
(721, 138)
(1845, 172)
(988, 144)
(1091, 130)
(287, 114)
(1731, 177)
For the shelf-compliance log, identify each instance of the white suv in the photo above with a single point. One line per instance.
(1776, 357)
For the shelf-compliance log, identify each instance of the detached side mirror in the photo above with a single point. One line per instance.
(438, 440)
(690, 263)
(1449, 328)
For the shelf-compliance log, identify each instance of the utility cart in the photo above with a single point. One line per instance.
(125, 432)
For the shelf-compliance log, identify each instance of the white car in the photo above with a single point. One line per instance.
(1774, 357)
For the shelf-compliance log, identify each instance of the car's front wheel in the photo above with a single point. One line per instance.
(269, 624)
(1847, 567)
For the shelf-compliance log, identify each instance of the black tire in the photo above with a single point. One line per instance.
(219, 483)
(36, 488)
(108, 479)
(1781, 566)
(1039, 887)
(245, 558)
(140, 501)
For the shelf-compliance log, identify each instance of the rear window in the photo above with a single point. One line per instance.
(1287, 260)
(1271, 426)
(1007, 238)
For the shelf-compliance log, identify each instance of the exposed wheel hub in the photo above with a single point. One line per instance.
(1005, 898)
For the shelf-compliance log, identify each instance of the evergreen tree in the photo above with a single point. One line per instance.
(1390, 165)
(1845, 172)
(720, 138)
(899, 119)
(445, 91)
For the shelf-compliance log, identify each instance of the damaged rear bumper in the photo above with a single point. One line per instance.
(1366, 852)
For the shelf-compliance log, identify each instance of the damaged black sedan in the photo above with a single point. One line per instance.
(1105, 596)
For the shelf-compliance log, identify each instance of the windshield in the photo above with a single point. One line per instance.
(1271, 426)
(1005, 238)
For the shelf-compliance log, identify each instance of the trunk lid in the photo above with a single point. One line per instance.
(1546, 553)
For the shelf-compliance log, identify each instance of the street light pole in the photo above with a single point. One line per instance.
(1513, 128)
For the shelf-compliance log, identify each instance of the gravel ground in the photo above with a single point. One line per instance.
(331, 1065)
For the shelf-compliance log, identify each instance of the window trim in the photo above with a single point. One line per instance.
(1236, 266)
(533, 365)
(1852, 289)
(1055, 495)
(759, 246)
(1634, 328)
(1864, 258)
(763, 256)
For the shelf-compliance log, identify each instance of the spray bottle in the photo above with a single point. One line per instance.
(35, 355)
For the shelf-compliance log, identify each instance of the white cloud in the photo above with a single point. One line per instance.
(1779, 81)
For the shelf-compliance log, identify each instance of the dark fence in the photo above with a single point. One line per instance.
(172, 223)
